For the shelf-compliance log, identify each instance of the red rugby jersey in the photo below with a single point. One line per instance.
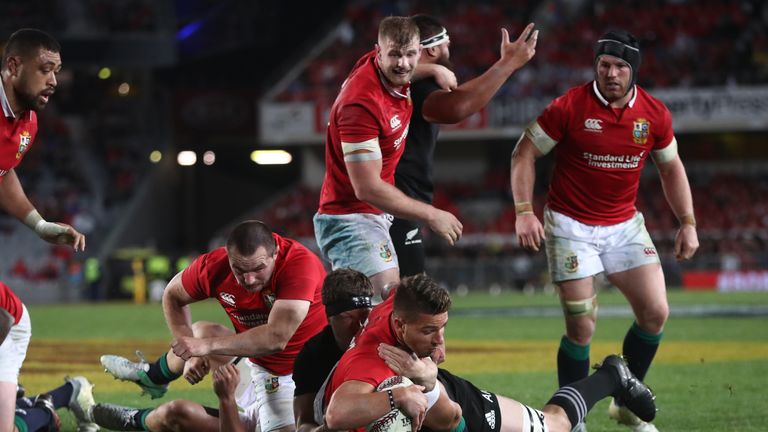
(601, 151)
(364, 109)
(10, 302)
(16, 135)
(298, 275)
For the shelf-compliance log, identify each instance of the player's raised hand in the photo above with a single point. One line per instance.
(446, 225)
(529, 231)
(225, 380)
(686, 242)
(196, 368)
(520, 51)
(420, 371)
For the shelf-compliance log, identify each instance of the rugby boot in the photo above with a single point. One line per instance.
(632, 394)
(115, 417)
(81, 403)
(625, 417)
(123, 369)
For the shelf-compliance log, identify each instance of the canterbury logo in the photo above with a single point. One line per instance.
(593, 124)
(228, 298)
(395, 122)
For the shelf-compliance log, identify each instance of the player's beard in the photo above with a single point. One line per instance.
(29, 101)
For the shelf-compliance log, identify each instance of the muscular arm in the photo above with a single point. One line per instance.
(448, 107)
(12, 197)
(354, 404)
(176, 309)
(225, 380)
(15, 202)
(674, 181)
(272, 337)
(369, 187)
(528, 228)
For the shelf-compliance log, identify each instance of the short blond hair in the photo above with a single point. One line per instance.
(400, 30)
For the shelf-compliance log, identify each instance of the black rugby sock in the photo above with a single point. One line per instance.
(579, 397)
(61, 395)
(572, 362)
(160, 373)
(639, 350)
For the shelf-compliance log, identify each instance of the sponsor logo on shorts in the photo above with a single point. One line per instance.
(384, 252)
(571, 263)
(228, 298)
(649, 251)
(490, 417)
(409, 237)
(271, 383)
(640, 131)
(593, 125)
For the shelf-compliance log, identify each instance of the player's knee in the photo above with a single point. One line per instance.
(586, 308)
(177, 415)
(653, 319)
(208, 329)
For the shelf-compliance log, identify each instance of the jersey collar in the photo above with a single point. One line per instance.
(4, 102)
(631, 102)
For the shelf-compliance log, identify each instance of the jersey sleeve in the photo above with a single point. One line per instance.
(299, 278)
(194, 279)
(665, 144)
(356, 124)
(549, 128)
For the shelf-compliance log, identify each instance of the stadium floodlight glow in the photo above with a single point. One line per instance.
(124, 89)
(209, 157)
(271, 157)
(105, 73)
(186, 158)
(156, 156)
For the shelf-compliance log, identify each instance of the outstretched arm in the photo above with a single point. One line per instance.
(15, 202)
(448, 107)
(284, 318)
(674, 181)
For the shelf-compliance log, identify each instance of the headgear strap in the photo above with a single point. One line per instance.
(436, 40)
(347, 304)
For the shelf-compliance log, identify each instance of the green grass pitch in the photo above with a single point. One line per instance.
(709, 375)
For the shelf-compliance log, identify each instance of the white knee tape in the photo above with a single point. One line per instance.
(533, 420)
(586, 307)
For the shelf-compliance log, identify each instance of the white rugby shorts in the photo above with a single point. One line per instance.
(13, 350)
(266, 398)
(576, 250)
(359, 241)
